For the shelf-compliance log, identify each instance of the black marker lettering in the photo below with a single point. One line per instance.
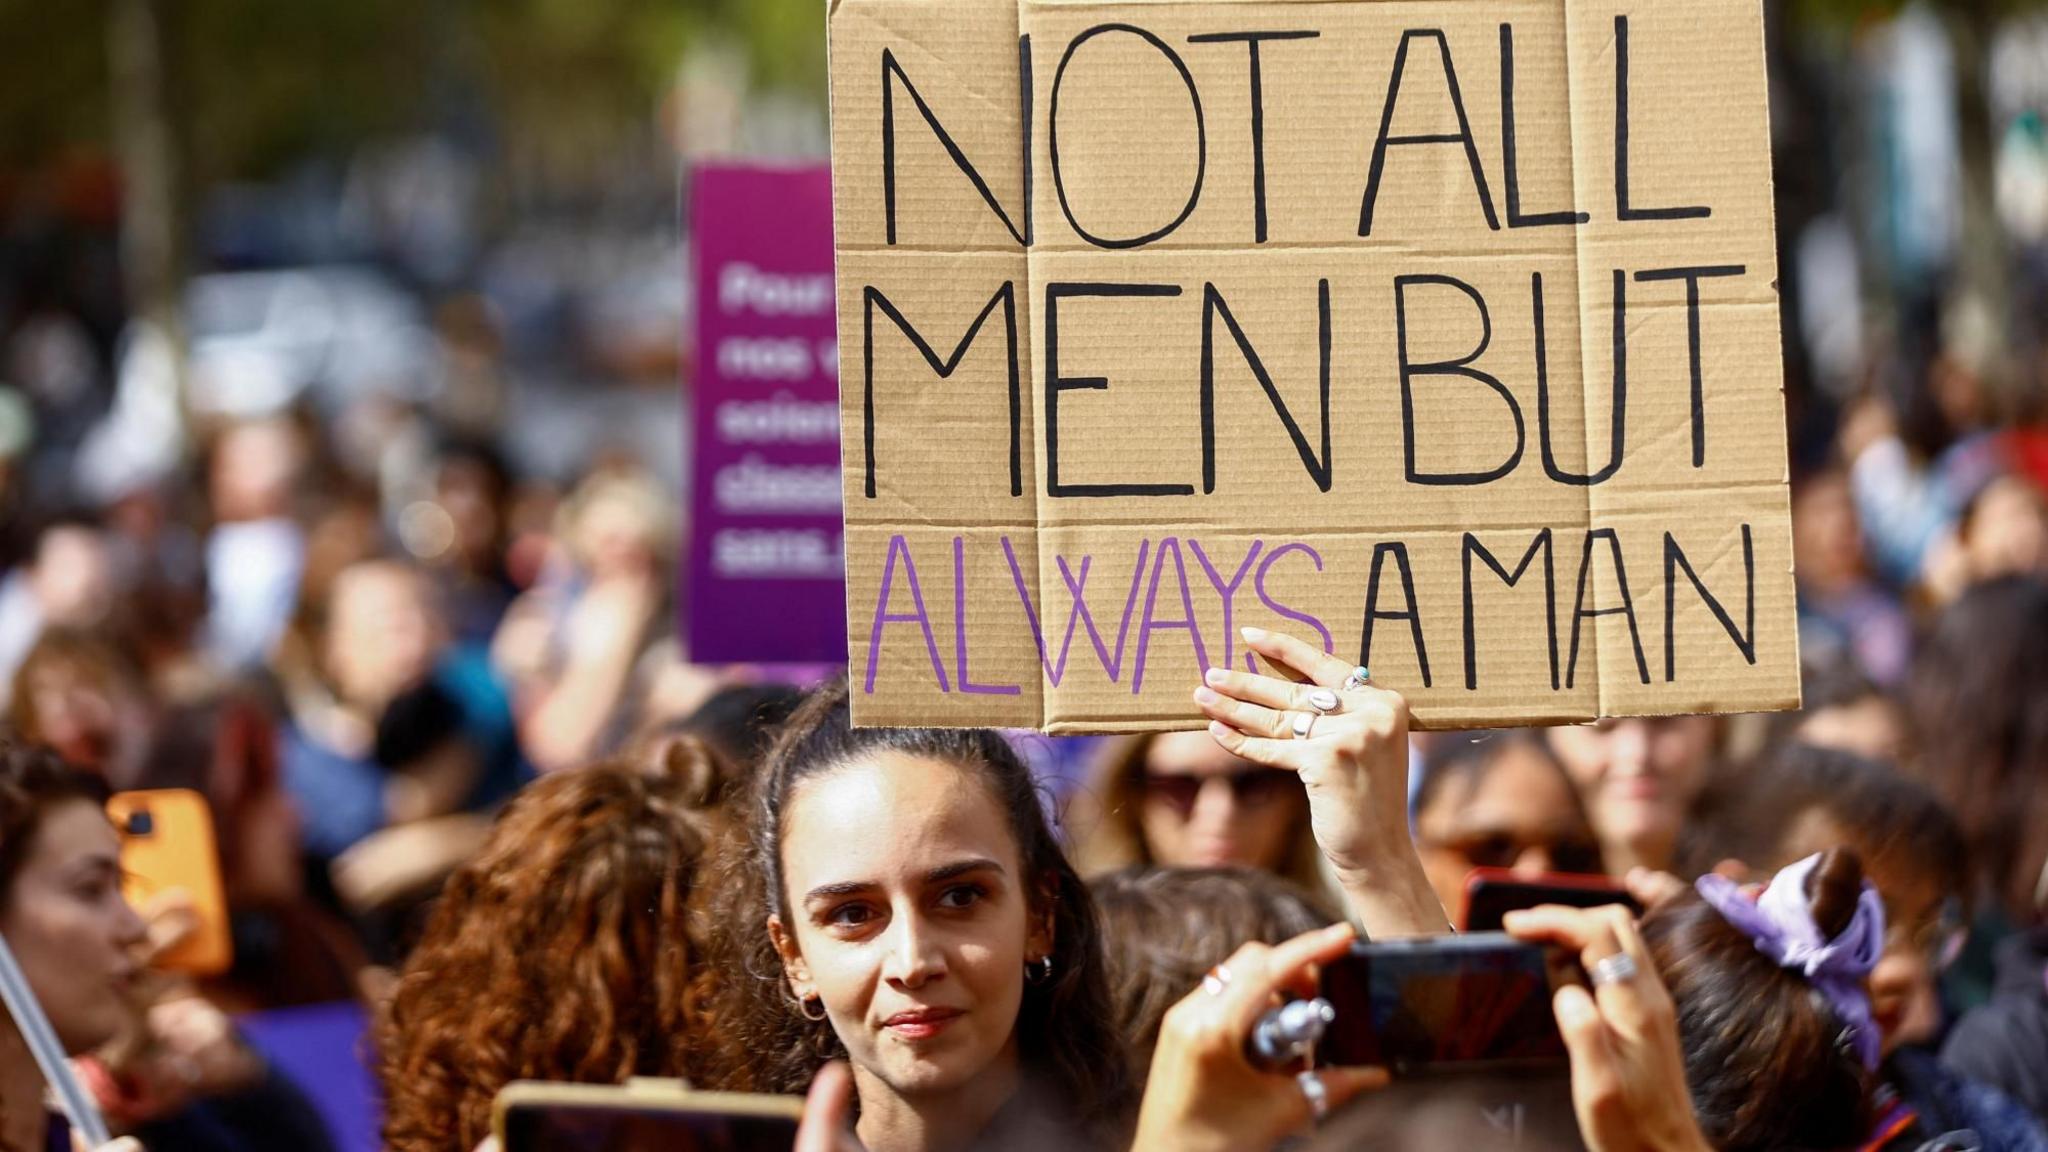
(1745, 639)
(892, 72)
(1056, 384)
(1543, 544)
(1059, 183)
(1006, 296)
(1251, 40)
(1508, 150)
(1623, 208)
(1387, 140)
(1412, 613)
(1581, 613)
(1458, 367)
(1213, 306)
(1692, 278)
(1617, 430)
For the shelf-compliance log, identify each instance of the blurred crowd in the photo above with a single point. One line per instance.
(463, 773)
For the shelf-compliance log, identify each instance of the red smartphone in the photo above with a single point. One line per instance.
(1445, 1003)
(1492, 893)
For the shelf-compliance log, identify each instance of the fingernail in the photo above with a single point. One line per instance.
(1338, 930)
(1573, 1007)
(1216, 675)
(1218, 729)
(1204, 696)
(1252, 635)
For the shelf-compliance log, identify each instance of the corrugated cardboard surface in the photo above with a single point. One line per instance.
(1043, 530)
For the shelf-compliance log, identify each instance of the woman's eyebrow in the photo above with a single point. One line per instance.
(834, 891)
(961, 868)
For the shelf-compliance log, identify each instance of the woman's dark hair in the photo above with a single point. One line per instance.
(1162, 928)
(1891, 815)
(1065, 1032)
(1770, 1065)
(34, 782)
(1979, 710)
(1471, 757)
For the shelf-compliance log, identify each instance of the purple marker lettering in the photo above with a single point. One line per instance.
(1077, 588)
(1227, 592)
(960, 629)
(1186, 623)
(920, 617)
(1259, 583)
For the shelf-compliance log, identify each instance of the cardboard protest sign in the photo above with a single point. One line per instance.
(765, 573)
(1444, 335)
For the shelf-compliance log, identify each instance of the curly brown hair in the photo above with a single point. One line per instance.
(567, 950)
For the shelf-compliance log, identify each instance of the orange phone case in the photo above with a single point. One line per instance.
(167, 843)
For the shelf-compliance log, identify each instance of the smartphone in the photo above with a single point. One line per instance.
(1445, 1003)
(641, 1116)
(1492, 893)
(167, 844)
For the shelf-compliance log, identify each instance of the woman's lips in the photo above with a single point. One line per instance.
(922, 1023)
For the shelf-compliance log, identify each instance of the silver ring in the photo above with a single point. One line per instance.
(1324, 701)
(1360, 677)
(1303, 724)
(1313, 1090)
(1616, 969)
(1217, 979)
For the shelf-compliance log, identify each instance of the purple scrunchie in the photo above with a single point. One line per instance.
(1781, 923)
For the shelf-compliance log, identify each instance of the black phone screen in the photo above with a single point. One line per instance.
(1451, 1001)
(585, 1128)
(1488, 903)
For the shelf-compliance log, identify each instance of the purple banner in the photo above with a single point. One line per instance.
(767, 573)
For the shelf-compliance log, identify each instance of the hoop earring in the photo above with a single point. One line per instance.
(803, 1008)
(1038, 972)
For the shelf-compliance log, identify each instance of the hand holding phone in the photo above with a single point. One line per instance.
(1628, 1071)
(1203, 1091)
(1445, 1003)
(172, 866)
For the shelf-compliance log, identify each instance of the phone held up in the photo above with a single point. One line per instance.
(1446, 1004)
(167, 847)
(641, 1116)
(1492, 893)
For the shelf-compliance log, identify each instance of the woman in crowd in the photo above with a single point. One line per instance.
(1805, 799)
(1164, 927)
(1768, 995)
(1179, 800)
(79, 945)
(1979, 706)
(81, 695)
(564, 951)
(1498, 800)
(901, 901)
(1638, 779)
(573, 646)
(61, 911)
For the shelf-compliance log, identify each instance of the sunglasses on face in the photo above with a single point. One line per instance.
(1250, 789)
(1503, 850)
